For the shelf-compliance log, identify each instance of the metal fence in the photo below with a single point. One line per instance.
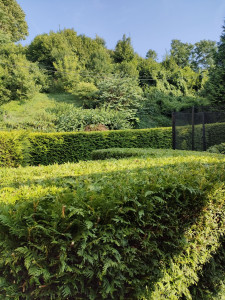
(197, 130)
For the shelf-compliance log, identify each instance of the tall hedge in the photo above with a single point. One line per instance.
(49, 148)
(214, 135)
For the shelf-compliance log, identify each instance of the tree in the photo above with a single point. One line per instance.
(19, 78)
(181, 52)
(215, 88)
(120, 94)
(151, 54)
(12, 21)
(123, 50)
(203, 55)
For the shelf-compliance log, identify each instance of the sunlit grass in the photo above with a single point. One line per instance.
(34, 114)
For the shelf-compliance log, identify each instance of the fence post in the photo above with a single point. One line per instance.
(203, 132)
(193, 128)
(173, 131)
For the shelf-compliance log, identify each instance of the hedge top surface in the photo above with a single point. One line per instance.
(15, 180)
(142, 227)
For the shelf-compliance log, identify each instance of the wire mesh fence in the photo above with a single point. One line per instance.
(197, 130)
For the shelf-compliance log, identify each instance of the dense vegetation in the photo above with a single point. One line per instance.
(134, 223)
(141, 92)
(132, 228)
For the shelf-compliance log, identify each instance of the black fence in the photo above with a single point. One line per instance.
(197, 130)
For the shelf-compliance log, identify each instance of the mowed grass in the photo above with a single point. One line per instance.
(35, 112)
(24, 183)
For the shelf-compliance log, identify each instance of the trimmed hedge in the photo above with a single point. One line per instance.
(13, 149)
(49, 148)
(119, 153)
(214, 134)
(135, 228)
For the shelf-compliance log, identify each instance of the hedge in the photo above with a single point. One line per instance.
(217, 148)
(118, 153)
(49, 148)
(13, 149)
(214, 134)
(134, 228)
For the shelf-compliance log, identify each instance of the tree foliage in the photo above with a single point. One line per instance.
(12, 21)
(215, 89)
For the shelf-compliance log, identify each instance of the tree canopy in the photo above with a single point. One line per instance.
(12, 21)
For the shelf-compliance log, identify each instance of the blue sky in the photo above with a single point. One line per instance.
(151, 24)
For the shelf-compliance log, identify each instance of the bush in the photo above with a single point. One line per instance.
(70, 119)
(119, 153)
(127, 229)
(217, 148)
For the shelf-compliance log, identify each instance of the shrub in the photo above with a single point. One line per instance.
(217, 148)
(70, 119)
(119, 153)
(126, 229)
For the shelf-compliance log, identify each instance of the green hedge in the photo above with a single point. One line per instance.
(217, 148)
(13, 149)
(214, 134)
(135, 228)
(49, 148)
(119, 153)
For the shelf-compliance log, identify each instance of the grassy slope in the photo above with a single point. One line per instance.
(35, 111)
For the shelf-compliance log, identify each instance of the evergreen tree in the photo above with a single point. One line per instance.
(215, 87)
(151, 54)
(124, 50)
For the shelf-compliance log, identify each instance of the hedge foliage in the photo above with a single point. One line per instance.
(13, 149)
(119, 153)
(134, 228)
(214, 134)
(217, 148)
(49, 148)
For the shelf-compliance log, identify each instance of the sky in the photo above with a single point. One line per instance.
(151, 24)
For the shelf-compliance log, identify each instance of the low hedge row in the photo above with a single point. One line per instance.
(135, 228)
(119, 153)
(217, 148)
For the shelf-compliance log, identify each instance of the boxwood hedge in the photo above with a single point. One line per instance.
(133, 228)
